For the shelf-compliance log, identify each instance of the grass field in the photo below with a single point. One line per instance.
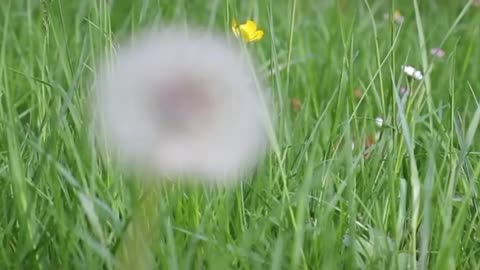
(408, 199)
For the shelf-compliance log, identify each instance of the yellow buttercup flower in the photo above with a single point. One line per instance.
(248, 31)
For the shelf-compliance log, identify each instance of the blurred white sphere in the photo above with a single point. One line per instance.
(182, 104)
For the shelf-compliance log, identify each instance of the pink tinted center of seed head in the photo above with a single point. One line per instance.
(183, 105)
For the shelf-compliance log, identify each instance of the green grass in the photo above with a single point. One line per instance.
(313, 203)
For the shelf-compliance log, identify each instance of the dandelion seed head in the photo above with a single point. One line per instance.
(180, 103)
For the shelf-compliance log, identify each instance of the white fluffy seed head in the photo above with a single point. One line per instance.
(183, 105)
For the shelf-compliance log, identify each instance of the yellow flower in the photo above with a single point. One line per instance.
(248, 31)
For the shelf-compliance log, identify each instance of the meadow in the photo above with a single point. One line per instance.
(372, 169)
